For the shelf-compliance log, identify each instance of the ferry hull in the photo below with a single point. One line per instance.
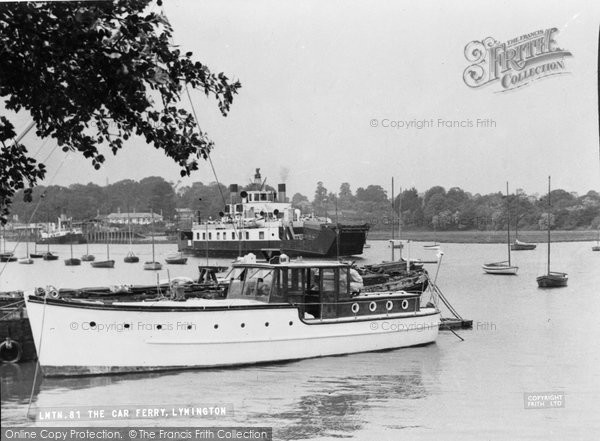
(76, 238)
(318, 241)
(175, 338)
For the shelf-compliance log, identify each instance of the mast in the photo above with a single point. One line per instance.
(393, 228)
(400, 214)
(152, 232)
(508, 223)
(548, 220)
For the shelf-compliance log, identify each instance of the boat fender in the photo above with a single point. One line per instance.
(39, 291)
(52, 292)
(10, 351)
(389, 305)
(372, 306)
(355, 308)
(404, 304)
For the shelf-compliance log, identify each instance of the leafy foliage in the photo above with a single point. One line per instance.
(94, 74)
(467, 212)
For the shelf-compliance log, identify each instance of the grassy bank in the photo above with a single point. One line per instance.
(487, 236)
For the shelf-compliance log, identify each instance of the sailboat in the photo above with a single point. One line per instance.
(435, 246)
(35, 254)
(504, 268)
(87, 257)
(6, 256)
(108, 263)
(517, 245)
(130, 258)
(26, 260)
(552, 279)
(153, 265)
(48, 255)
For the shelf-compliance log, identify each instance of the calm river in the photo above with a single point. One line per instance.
(525, 340)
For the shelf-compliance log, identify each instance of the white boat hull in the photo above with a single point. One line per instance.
(218, 335)
(500, 269)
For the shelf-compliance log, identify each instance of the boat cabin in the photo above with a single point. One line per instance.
(320, 289)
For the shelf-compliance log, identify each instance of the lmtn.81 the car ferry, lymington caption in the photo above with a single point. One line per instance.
(273, 311)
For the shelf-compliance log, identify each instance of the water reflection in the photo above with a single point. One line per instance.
(16, 380)
(338, 407)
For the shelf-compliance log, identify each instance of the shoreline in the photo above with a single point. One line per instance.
(483, 237)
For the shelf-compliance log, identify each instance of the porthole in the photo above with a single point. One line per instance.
(389, 305)
(404, 304)
(355, 308)
(372, 306)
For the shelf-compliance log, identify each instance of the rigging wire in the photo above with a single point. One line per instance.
(208, 157)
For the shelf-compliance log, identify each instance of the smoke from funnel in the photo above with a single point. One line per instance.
(284, 172)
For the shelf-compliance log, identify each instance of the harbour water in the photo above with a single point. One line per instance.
(524, 341)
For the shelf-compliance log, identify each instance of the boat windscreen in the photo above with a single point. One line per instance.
(255, 284)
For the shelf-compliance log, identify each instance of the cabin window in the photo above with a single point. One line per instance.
(233, 235)
(239, 208)
(218, 235)
(252, 284)
(329, 284)
(209, 236)
(197, 236)
(263, 196)
(247, 235)
(261, 234)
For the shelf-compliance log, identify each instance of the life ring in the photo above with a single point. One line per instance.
(10, 351)
(355, 308)
(404, 304)
(389, 305)
(372, 306)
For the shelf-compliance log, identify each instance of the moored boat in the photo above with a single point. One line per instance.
(500, 268)
(49, 256)
(504, 268)
(552, 279)
(259, 219)
(517, 245)
(131, 258)
(176, 259)
(7, 257)
(109, 263)
(273, 312)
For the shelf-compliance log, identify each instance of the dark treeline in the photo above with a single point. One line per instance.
(437, 208)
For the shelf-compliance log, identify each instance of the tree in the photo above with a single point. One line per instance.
(346, 198)
(373, 193)
(320, 196)
(89, 74)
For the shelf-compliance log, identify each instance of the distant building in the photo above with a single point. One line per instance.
(185, 213)
(134, 218)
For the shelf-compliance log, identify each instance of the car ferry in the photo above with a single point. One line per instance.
(273, 311)
(261, 221)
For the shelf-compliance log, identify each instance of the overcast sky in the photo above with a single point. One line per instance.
(315, 74)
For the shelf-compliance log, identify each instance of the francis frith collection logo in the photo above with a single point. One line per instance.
(514, 63)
